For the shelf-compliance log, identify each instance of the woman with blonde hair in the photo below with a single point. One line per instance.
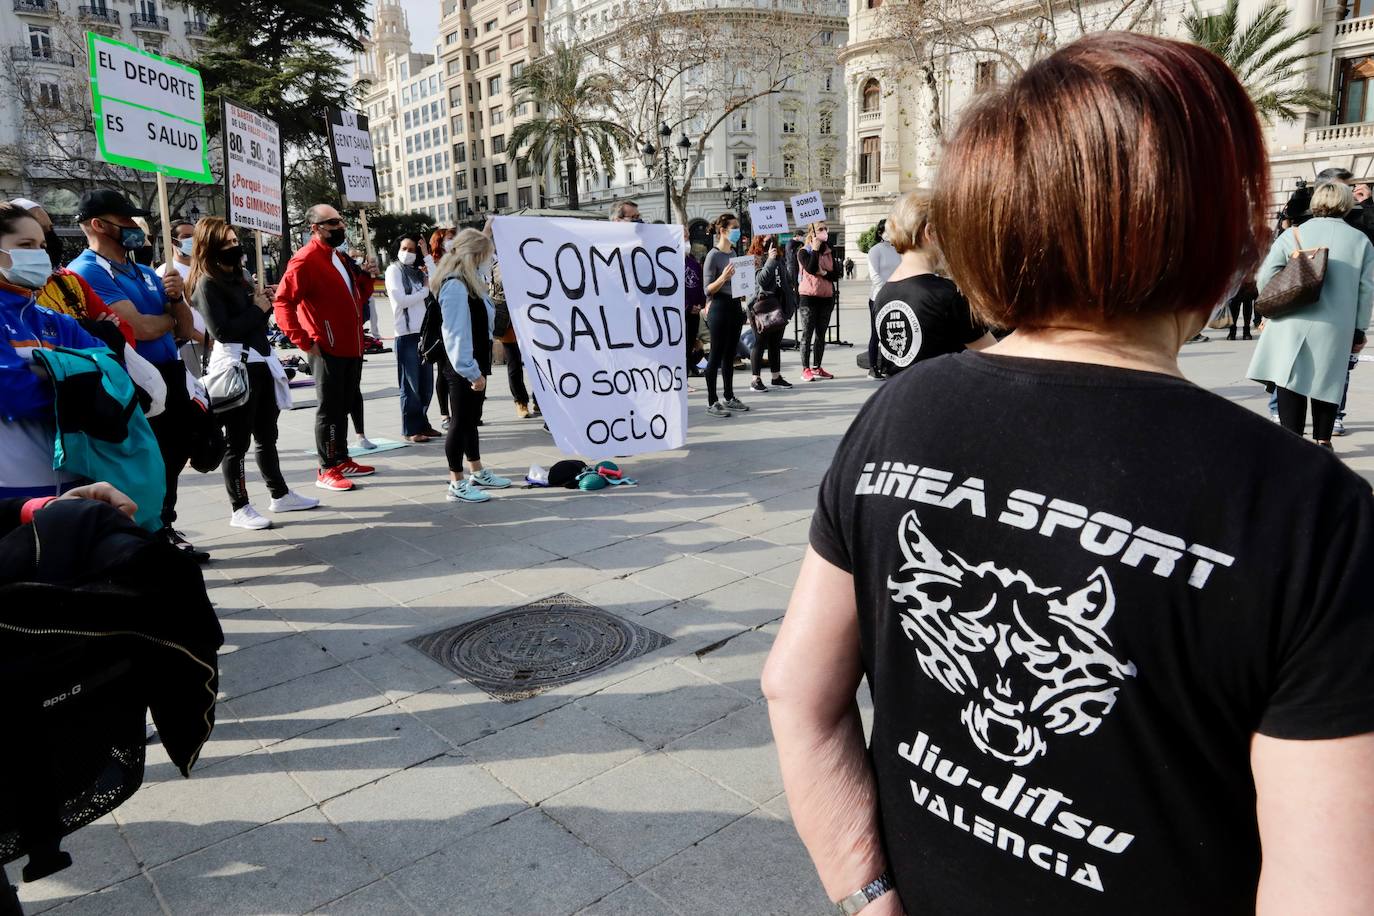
(1306, 353)
(917, 313)
(236, 317)
(468, 319)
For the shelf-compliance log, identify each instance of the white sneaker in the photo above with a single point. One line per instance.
(248, 517)
(365, 444)
(292, 502)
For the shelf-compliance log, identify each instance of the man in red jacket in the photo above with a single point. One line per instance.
(319, 306)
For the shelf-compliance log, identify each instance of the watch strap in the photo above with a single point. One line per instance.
(864, 895)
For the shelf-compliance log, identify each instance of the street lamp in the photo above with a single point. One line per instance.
(738, 197)
(195, 213)
(669, 166)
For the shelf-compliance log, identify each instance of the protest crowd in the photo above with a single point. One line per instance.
(1072, 711)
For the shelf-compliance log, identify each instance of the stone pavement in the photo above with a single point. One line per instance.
(350, 774)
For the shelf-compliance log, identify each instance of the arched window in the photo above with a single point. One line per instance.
(872, 95)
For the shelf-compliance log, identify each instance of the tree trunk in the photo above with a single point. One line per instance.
(936, 125)
(570, 170)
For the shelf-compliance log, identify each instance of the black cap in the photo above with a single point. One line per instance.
(106, 202)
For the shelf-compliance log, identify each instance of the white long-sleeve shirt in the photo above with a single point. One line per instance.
(407, 308)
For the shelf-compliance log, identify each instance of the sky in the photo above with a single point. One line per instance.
(424, 24)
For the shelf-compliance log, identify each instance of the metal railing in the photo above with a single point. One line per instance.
(26, 52)
(98, 14)
(197, 29)
(48, 7)
(149, 23)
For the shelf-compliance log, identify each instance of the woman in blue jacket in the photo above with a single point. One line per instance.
(468, 319)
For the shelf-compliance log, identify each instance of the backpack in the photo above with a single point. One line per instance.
(565, 473)
(432, 332)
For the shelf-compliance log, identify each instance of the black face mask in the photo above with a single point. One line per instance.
(143, 256)
(230, 257)
(336, 237)
(53, 243)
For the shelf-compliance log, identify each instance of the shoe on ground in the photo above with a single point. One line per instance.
(808, 376)
(446, 422)
(365, 444)
(822, 374)
(1339, 429)
(292, 502)
(1274, 417)
(178, 540)
(485, 478)
(417, 438)
(757, 385)
(248, 517)
(717, 410)
(876, 375)
(1199, 338)
(1231, 334)
(1246, 335)
(350, 468)
(534, 409)
(522, 411)
(333, 479)
(781, 382)
(736, 404)
(462, 491)
(432, 433)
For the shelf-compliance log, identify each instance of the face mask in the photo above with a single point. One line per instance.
(230, 257)
(184, 246)
(822, 235)
(485, 267)
(29, 267)
(143, 256)
(336, 237)
(406, 257)
(54, 243)
(734, 236)
(131, 238)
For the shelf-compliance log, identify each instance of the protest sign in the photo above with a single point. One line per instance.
(350, 147)
(598, 310)
(252, 170)
(742, 281)
(149, 112)
(768, 218)
(807, 209)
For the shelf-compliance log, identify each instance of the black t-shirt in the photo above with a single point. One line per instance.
(1081, 591)
(922, 317)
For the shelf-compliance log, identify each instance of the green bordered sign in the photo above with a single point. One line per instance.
(149, 111)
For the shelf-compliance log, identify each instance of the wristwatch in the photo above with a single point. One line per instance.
(864, 896)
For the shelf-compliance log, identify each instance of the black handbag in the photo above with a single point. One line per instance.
(767, 314)
(1298, 285)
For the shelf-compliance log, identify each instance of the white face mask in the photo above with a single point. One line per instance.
(485, 267)
(29, 267)
(184, 246)
(406, 257)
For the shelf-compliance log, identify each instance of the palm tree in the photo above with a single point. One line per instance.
(569, 125)
(1264, 54)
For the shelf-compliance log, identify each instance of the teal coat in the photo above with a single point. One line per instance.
(1308, 351)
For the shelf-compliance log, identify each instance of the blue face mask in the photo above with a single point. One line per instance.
(184, 246)
(131, 238)
(734, 236)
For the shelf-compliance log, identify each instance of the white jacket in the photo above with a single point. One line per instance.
(407, 309)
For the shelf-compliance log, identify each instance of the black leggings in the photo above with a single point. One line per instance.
(693, 330)
(464, 410)
(1293, 415)
(337, 380)
(256, 419)
(441, 392)
(1237, 304)
(815, 322)
(515, 373)
(771, 343)
(726, 320)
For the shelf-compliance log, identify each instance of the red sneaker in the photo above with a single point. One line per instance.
(808, 375)
(332, 479)
(821, 373)
(350, 468)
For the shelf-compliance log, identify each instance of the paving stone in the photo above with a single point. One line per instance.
(738, 663)
(628, 556)
(645, 811)
(463, 713)
(737, 752)
(288, 866)
(750, 602)
(269, 664)
(341, 600)
(524, 866)
(370, 633)
(409, 814)
(554, 752)
(132, 897)
(419, 581)
(570, 538)
(303, 581)
(752, 555)
(630, 900)
(400, 671)
(551, 578)
(621, 596)
(305, 704)
(685, 577)
(377, 899)
(230, 740)
(251, 627)
(781, 879)
(100, 858)
(664, 704)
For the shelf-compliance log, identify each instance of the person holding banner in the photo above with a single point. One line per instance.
(408, 290)
(469, 317)
(155, 307)
(770, 283)
(237, 319)
(724, 316)
(817, 273)
(319, 307)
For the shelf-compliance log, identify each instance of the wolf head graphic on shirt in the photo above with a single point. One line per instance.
(1030, 659)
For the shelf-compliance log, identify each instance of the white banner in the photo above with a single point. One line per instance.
(598, 309)
(807, 209)
(742, 280)
(350, 146)
(252, 170)
(768, 218)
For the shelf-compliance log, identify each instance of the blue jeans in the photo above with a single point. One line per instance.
(416, 381)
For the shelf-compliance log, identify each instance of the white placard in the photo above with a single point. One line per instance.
(133, 133)
(807, 209)
(598, 310)
(742, 283)
(252, 170)
(768, 217)
(350, 146)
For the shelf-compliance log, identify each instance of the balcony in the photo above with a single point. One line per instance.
(196, 29)
(870, 118)
(1351, 32)
(46, 55)
(1341, 135)
(36, 7)
(98, 14)
(142, 23)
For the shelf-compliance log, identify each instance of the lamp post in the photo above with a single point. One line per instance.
(195, 213)
(738, 197)
(670, 165)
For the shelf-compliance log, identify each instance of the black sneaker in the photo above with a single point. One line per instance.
(178, 540)
(781, 382)
(757, 385)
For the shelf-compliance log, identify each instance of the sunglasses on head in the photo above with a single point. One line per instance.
(329, 222)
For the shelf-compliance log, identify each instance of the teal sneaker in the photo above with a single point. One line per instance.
(485, 478)
(459, 491)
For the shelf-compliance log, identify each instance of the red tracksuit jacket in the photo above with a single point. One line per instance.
(314, 306)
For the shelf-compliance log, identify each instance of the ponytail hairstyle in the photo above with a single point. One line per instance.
(469, 249)
(721, 224)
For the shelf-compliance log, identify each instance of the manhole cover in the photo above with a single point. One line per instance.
(517, 654)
